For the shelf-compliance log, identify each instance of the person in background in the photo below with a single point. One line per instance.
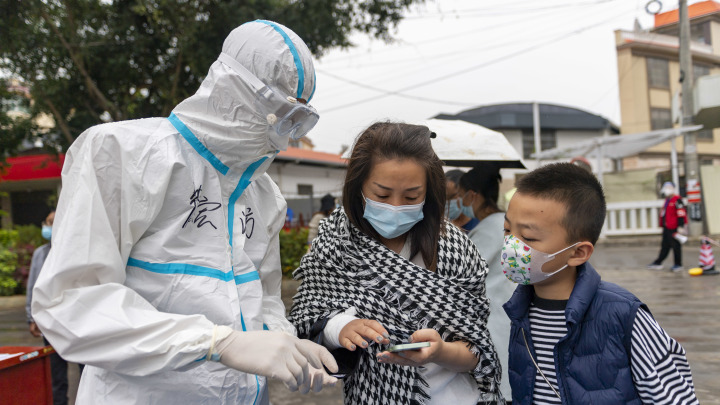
(164, 277)
(672, 219)
(480, 188)
(389, 268)
(576, 339)
(327, 205)
(58, 365)
(460, 216)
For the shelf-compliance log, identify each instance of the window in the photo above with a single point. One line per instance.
(700, 71)
(700, 33)
(547, 141)
(704, 135)
(660, 118)
(305, 189)
(657, 71)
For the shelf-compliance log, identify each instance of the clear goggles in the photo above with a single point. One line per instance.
(286, 115)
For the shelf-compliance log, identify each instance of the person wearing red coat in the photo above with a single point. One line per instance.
(672, 220)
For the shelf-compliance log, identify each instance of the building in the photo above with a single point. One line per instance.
(304, 176)
(29, 182)
(649, 81)
(560, 126)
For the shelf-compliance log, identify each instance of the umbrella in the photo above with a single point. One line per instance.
(461, 143)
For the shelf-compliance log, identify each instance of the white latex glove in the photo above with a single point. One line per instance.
(274, 355)
(318, 379)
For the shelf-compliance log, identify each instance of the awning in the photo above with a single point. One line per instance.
(617, 146)
(32, 167)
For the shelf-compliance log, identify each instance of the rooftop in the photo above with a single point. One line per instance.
(310, 157)
(694, 11)
(520, 116)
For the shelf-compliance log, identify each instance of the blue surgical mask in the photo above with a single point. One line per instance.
(46, 231)
(391, 221)
(453, 209)
(467, 209)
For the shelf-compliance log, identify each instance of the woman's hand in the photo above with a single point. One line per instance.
(358, 332)
(455, 356)
(34, 330)
(417, 358)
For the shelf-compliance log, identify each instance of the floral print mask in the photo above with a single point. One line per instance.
(523, 264)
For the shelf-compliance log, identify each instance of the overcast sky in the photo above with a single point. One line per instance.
(452, 55)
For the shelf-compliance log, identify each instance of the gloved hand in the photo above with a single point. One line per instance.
(275, 355)
(318, 379)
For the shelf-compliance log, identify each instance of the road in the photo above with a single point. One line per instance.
(686, 307)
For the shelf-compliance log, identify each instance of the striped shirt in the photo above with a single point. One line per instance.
(660, 370)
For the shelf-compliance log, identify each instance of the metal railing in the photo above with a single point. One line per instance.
(633, 218)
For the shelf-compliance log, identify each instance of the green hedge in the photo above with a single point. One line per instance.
(8, 262)
(293, 246)
(17, 246)
(16, 249)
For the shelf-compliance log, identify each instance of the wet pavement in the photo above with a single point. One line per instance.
(688, 308)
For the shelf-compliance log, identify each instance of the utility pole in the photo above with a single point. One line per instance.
(536, 131)
(692, 180)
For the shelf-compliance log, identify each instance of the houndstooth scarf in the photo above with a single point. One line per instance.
(346, 268)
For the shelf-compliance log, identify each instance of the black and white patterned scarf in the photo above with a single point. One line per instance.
(346, 268)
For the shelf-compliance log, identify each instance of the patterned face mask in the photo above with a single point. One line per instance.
(523, 264)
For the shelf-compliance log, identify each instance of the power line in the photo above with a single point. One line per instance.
(365, 86)
(450, 55)
(398, 92)
(446, 37)
(496, 11)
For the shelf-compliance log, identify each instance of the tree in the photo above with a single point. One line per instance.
(92, 61)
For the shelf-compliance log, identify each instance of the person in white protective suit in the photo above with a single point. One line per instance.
(164, 276)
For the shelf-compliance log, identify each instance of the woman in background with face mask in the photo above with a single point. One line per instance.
(387, 269)
(458, 214)
(479, 190)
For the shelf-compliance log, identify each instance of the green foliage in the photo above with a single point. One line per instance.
(86, 61)
(8, 262)
(29, 237)
(8, 238)
(16, 250)
(293, 246)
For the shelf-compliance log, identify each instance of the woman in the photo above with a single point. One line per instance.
(386, 269)
(460, 216)
(479, 189)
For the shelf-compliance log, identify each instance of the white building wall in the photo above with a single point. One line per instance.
(324, 180)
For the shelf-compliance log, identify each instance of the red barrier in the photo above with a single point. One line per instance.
(25, 377)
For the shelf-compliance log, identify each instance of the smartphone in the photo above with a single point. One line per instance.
(408, 346)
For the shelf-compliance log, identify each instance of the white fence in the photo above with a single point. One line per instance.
(633, 218)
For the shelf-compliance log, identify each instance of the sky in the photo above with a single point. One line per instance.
(453, 55)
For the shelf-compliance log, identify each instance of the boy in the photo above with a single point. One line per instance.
(576, 339)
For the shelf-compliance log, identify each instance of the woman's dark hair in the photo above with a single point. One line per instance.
(387, 140)
(483, 179)
(454, 175)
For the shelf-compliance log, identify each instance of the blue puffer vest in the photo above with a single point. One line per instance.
(592, 361)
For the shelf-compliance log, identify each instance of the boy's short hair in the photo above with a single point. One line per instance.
(577, 189)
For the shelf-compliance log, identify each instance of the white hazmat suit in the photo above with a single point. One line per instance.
(167, 227)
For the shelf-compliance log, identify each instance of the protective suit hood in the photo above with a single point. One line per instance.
(221, 115)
